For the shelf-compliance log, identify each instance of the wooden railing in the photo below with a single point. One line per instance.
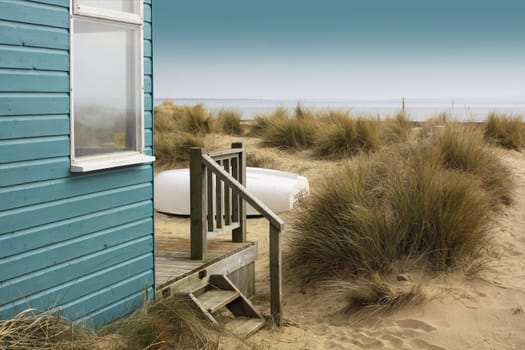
(218, 204)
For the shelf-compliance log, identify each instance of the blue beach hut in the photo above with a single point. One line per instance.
(76, 172)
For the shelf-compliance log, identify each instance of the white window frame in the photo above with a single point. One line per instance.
(114, 159)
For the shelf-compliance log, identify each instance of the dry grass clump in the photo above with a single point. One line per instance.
(32, 330)
(396, 129)
(343, 136)
(173, 147)
(463, 148)
(259, 161)
(507, 131)
(282, 131)
(167, 323)
(431, 200)
(229, 122)
(374, 295)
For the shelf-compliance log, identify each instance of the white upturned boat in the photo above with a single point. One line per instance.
(278, 190)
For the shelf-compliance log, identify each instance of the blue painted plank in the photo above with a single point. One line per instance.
(44, 235)
(40, 214)
(27, 12)
(33, 58)
(74, 289)
(147, 31)
(63, 3)
(148, 121)
(147, 1)
(147, 48)
(148, 83)
(33, 103)
(51, 190)
(13, 33)
(117, 310)
(35, 282)
(148, 138)
(148, 102)
(108, 296)
(33, 81)
(148, 151)
(33, 148)
(35, 170)
(147, 66)
(54, 254)
(147, 13)
(32, 126)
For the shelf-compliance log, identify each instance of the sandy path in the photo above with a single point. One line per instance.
(487, 312)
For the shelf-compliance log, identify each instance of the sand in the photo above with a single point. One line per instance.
(480, 311)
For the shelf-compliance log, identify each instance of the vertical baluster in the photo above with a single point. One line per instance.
(239, 234)
(199, 244)
(210, 202)
(218, 200)
(235, 197)
(227, 197)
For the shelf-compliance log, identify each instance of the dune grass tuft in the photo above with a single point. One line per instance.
(505, 130)
(163, 324)
(229, 122)
(374, 295)
(297, 132)
(173, 147)
(396, 129)
(431, 199)
(343, 136)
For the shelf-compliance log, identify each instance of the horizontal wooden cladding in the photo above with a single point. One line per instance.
(24, 286)
(53, 254)
(33, 103)
(51, 190)
(33, 126)
(148, 120)
(33, 81)
(33, 148)
(33, 58)
(147, 12)
(20, 34)
(148, 66)
(148, 151)
(148, 102)
(70, 291)
(148, 83)
(147, 31)
(63, 3)
(40, 214)
(148, 138)
(34, 170)
(34, 12)
(34, 238)
(107, 297)
(147, 48)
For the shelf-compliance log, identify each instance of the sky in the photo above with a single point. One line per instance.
(339, 49)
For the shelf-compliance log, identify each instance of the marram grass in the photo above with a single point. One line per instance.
(505, 130)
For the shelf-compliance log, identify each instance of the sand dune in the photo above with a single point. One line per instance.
(486, 311)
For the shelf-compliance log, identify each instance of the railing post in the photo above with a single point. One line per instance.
(276, 307)
(199, 244)
(239, 234)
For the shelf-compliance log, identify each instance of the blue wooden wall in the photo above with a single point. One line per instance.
(82, 243)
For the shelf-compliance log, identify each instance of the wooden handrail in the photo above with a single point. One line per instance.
(274, 220)
(202, 166)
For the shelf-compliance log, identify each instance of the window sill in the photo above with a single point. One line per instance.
(99, 163)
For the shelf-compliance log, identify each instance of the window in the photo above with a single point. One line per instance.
(107, 84)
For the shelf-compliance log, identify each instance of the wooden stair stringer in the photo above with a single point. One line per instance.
(221, 292)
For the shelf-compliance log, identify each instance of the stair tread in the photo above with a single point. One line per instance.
(214, 299)
(243, 327)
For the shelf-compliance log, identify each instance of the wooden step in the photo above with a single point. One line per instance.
(243, 327)
(214, 299)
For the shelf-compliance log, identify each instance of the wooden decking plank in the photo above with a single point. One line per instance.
(243, 327)
(212, 300)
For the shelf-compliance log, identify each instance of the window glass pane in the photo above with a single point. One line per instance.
(131, 6)
(106, 87)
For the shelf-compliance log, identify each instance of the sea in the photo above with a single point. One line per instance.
(417, 109)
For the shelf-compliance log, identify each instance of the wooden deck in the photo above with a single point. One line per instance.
(173, 263)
